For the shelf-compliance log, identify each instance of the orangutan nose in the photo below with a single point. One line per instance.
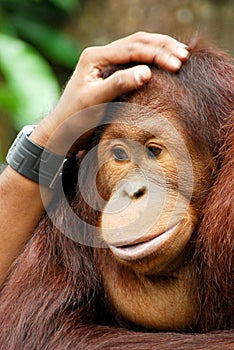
(135, 190)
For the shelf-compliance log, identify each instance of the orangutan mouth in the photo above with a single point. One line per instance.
(140, 250)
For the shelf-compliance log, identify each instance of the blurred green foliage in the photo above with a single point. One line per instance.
(29, 85)
(32, 43)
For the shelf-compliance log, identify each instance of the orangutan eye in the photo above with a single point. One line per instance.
(120, 154)
(153, 151)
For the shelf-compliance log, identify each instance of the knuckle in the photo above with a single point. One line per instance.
(87, 53)
(161, 54)
(165, 41)
(120, 80)
(140, 36)
(145, 38)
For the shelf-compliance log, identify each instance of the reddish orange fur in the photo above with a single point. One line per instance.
(215, 248)
(53, 297)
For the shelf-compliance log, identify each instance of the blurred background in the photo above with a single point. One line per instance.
(41, 40)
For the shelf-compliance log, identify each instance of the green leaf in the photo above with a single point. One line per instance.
(57, 46)
(7, 100)
(29, 78)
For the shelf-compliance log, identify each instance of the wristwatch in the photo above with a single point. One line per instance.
(33, 161)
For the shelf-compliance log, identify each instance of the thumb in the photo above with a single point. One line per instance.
(125, 80)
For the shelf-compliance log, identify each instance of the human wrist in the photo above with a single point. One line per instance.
(42, 133)
(34, 161)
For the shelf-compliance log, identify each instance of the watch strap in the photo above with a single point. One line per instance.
(35, 162)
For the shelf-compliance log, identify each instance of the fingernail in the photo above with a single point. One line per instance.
(182, 52)
(175, 62)
(142, 75)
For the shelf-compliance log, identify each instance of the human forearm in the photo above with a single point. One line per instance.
(20, 209)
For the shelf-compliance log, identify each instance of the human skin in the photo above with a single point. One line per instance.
(20, 198)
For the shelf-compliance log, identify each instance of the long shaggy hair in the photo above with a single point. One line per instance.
(53, 297)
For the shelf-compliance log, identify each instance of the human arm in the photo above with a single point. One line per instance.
(20, 198)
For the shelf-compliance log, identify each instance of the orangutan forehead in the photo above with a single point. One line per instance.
(132, 129)
(142, 123)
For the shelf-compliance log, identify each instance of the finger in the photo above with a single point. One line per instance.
(171, 45)
(166, 60)
(145, 47)
(123, 81)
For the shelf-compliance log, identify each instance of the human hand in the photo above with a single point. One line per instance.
(87, 87)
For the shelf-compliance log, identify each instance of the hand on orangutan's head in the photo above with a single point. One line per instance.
(161, 204)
